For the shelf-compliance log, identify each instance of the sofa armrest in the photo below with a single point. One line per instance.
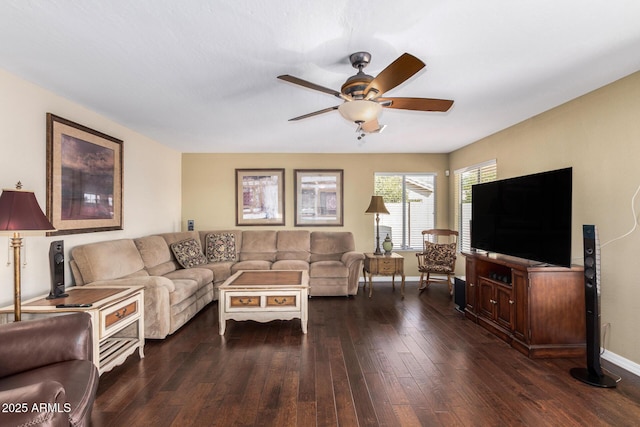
(35, 343)
(23, 405)
(348, 258)
(353, 261)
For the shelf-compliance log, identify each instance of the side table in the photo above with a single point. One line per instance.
(383, 265)
(117, 318)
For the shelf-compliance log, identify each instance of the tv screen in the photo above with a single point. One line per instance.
(526, 217)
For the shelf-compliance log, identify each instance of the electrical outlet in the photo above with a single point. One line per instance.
(190, 225)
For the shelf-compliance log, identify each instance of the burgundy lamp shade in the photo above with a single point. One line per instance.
(19, 211)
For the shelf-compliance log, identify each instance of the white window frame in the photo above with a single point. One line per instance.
(404, 241)
(486, 172)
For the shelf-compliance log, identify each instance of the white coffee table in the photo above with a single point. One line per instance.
(263, 296)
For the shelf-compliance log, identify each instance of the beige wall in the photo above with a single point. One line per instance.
(151, 181)
(599, 136)
(208, 187)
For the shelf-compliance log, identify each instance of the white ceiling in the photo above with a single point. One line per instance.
(200, 75)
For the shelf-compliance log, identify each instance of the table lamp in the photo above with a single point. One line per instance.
(377, 207)
(20, 213)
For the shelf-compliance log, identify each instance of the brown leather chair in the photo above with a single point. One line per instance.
(47, 377)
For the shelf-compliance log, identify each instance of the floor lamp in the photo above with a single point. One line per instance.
(377, 207)
(20, 213)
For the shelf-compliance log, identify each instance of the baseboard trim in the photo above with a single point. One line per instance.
(398, 279)
(620, 361)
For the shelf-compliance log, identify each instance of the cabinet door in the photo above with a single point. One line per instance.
(520, 317)
(470, 285)
(486, 301)
(504, 306)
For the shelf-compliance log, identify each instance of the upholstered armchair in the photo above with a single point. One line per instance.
(47, 377)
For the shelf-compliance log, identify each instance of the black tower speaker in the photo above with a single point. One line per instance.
(56, 263)
(592, 374)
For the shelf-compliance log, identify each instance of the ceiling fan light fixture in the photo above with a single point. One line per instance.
(360, 110)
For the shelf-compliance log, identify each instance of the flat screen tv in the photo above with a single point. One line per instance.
(526, 217)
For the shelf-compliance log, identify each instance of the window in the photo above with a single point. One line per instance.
(465, 178)
(411, 202)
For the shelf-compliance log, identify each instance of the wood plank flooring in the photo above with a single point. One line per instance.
(383, 361)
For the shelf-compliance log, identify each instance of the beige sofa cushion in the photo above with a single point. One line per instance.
(257, 264)
(108, 260)
(258, 245)
(328, 269)
(157, 257)
(221, 270)
(201, 276)
(290, 264)
(293, 245)
(330, 245)
(179, 236)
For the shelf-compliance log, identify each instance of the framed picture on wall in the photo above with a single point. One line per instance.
(84, 178)
(259, 196)
(318, 197)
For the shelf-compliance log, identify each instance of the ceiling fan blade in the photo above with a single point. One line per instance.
(395, 73)
(315, 113)
(295, 80)
(417, 104)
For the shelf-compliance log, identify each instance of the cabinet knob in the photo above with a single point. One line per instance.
(511, 301)
(471, 285)
(492, 301)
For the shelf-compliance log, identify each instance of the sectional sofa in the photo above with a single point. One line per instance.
(181, 271)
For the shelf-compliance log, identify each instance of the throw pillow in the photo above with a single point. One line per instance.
(188, 253)
(220, 247)
(440, 253)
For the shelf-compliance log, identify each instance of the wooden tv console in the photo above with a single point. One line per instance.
(538, 310)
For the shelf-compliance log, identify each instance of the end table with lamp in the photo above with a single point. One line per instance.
(377, 207)
(20, 213)
(383, 265)
(377, 263)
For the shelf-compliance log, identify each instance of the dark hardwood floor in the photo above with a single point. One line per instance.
(383, 361)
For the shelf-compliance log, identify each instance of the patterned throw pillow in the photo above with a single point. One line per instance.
(220, 247)
(440, 253)
(188, 253)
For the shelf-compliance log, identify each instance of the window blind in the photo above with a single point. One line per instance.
(410, 200)
(464, 179)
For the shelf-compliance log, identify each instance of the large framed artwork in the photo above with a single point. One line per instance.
(318, 197)
(84, 178)
(259, 196)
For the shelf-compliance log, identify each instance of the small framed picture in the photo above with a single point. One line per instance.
(318, 197)
(259, 196)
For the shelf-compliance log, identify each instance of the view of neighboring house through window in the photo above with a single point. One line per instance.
(410, 199)
(465, 178)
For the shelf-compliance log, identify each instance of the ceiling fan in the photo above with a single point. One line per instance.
(362, 93)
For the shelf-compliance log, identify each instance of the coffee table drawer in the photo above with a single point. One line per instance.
(282, 300)
(261, 300)
(244, 301)
(119, 314)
